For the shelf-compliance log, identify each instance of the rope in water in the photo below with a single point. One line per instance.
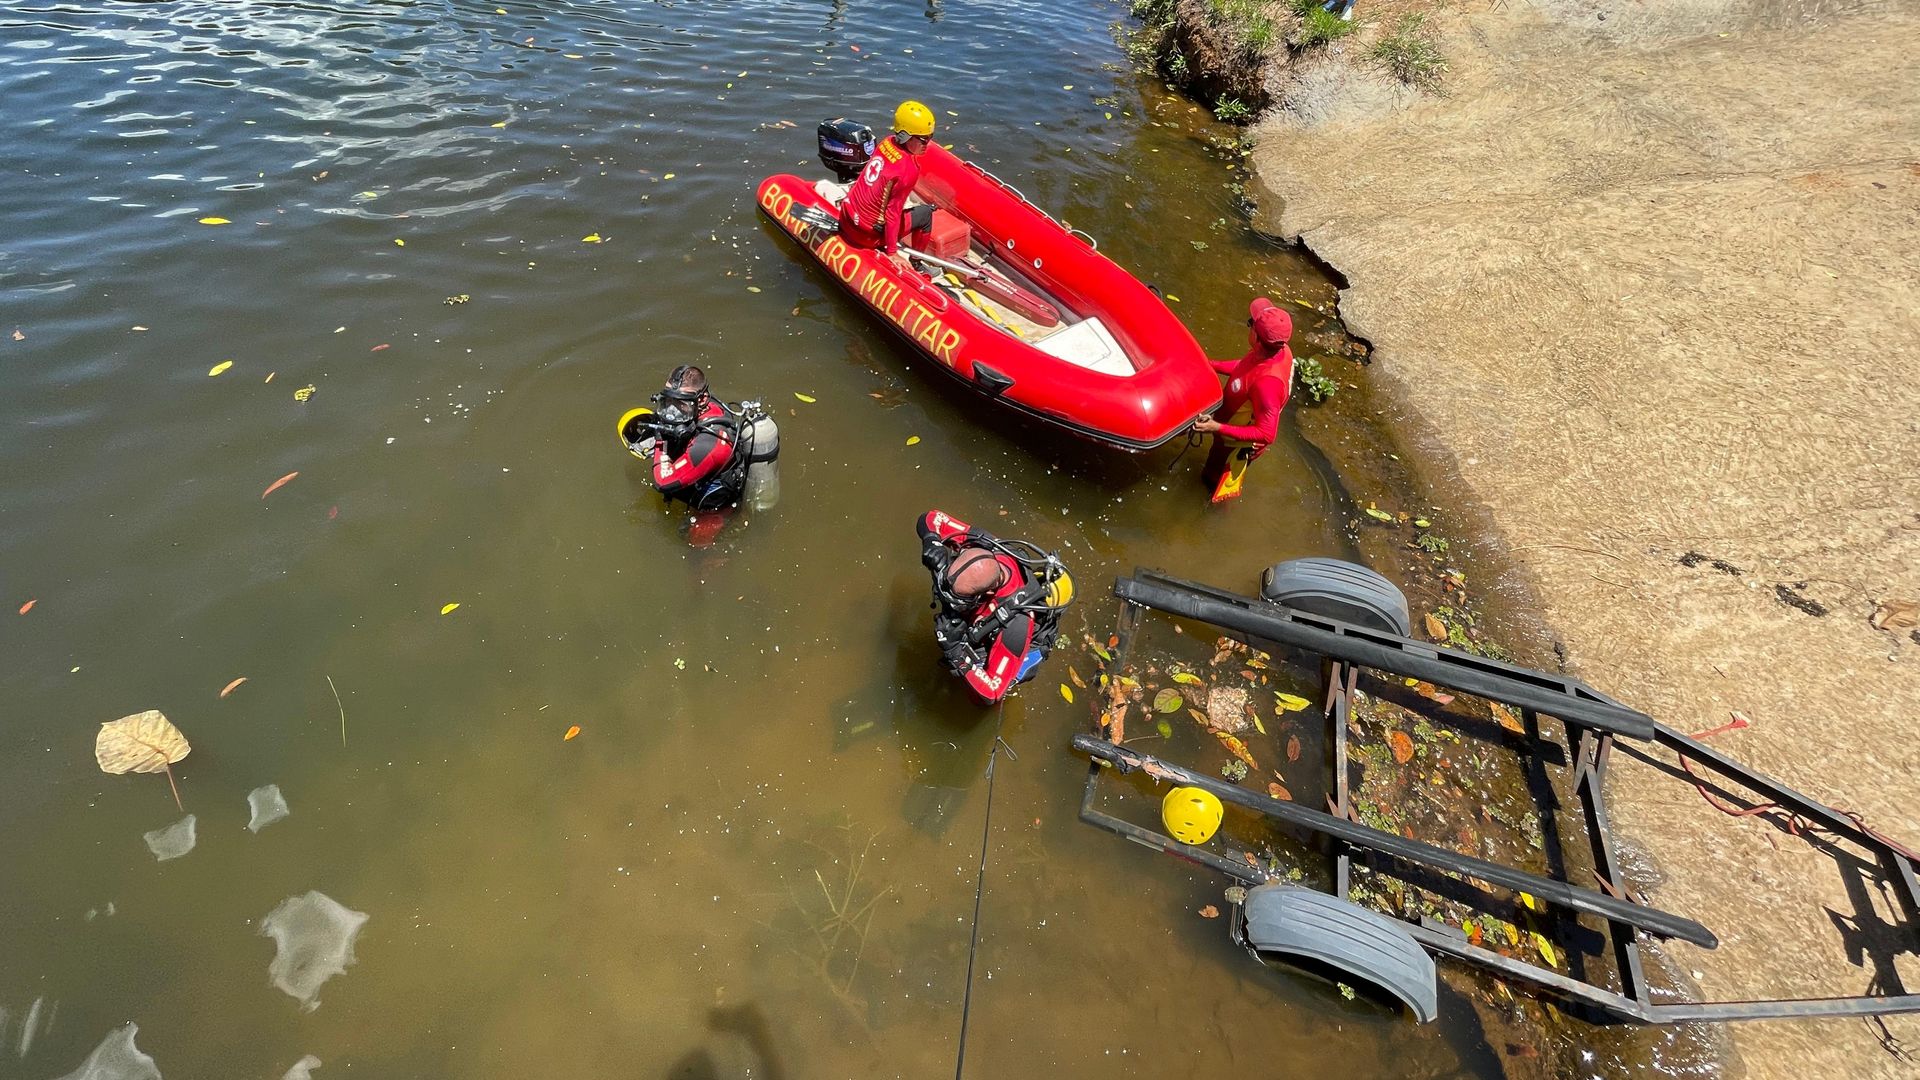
(979, 889)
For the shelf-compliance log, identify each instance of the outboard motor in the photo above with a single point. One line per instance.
(845, 146)
(761, 438)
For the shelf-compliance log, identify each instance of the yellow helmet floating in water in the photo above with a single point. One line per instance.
(1192, 815)
(913, 118)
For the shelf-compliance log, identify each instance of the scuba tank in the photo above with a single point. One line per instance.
(760, 441)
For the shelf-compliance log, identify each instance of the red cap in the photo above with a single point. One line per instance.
(1271, 324)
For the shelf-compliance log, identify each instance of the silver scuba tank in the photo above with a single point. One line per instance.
(763, 454)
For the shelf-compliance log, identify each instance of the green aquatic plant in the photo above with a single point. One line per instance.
(1231, 110)
(1310, 375)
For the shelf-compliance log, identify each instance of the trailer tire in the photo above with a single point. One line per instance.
(1338, 590)
(1338, 940)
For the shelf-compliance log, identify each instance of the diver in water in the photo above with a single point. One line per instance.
(996, 602)
(704, 452)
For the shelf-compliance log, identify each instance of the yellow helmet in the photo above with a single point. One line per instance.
(1060, 591)
(913, 118)
(1192, 815)
(629, 434)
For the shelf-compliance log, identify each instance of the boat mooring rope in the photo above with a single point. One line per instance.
(980, 884)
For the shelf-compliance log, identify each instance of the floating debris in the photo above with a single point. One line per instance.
(313, 937)
(267, 806)
(173, 841)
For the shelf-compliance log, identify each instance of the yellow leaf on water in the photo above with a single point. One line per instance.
(1075, 676)
(1290, 702)
(1173, 298)
(571, 732)
(1527, 901)
(501, 124)
(753, 288)
(1258, 726)
(1187, 677)
(215, 221)
(592, 238)
(1546, 949)
(448, 609)
(397, 242)
(1069, 86)
(669, 176)
(304, 392)
(804, 397)
(913, 440)
(1066, 691)
(219, 367)
(1512, 932)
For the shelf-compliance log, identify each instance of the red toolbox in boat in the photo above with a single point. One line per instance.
(947, 238)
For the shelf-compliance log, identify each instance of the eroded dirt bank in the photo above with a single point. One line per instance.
(1646, 279)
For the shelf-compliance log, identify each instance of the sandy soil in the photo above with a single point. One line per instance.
(1647, 280)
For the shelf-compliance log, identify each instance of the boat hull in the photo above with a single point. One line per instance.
(1171, 384)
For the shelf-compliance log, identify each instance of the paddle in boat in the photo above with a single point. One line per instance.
(1008, 300)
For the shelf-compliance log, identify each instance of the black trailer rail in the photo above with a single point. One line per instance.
(1592, 722)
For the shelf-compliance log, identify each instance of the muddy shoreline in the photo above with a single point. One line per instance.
(1642, 315)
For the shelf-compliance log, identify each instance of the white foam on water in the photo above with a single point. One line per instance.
(173, 841)
(267, 806)
(313, 937)
(303, 1069)
(116, 1058)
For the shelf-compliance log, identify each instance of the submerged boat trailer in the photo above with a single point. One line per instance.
(1374, 949)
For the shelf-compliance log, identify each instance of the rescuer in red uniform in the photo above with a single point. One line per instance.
(1258, 382)
(996, 610)
(875, 214)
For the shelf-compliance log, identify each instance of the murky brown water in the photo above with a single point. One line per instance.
(760, 862)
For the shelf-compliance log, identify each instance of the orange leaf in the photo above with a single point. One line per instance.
(228, 689)
(1401, 745)
(1209, 912)
(1506, 718)
(1293, 748)
(28, 606)
(278, 484)
(571, 732)
(1237, 749)
(1279, 792)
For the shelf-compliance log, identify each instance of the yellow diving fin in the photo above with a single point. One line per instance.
(1234, 477)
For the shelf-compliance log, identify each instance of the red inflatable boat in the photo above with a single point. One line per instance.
(1016, 307)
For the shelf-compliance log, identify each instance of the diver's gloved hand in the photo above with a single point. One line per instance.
(645, 446)
(936, 555)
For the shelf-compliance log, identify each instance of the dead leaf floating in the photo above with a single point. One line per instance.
(1168, 700)
(572, 732)
(1401, 745)
(278, 484)
(1209, 912)
(1436, 629)
(229, 688)
(142, 743)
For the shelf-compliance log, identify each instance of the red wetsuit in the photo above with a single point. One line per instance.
(942, 538)
(872, 213)
(694, 475)
(1263, 379)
